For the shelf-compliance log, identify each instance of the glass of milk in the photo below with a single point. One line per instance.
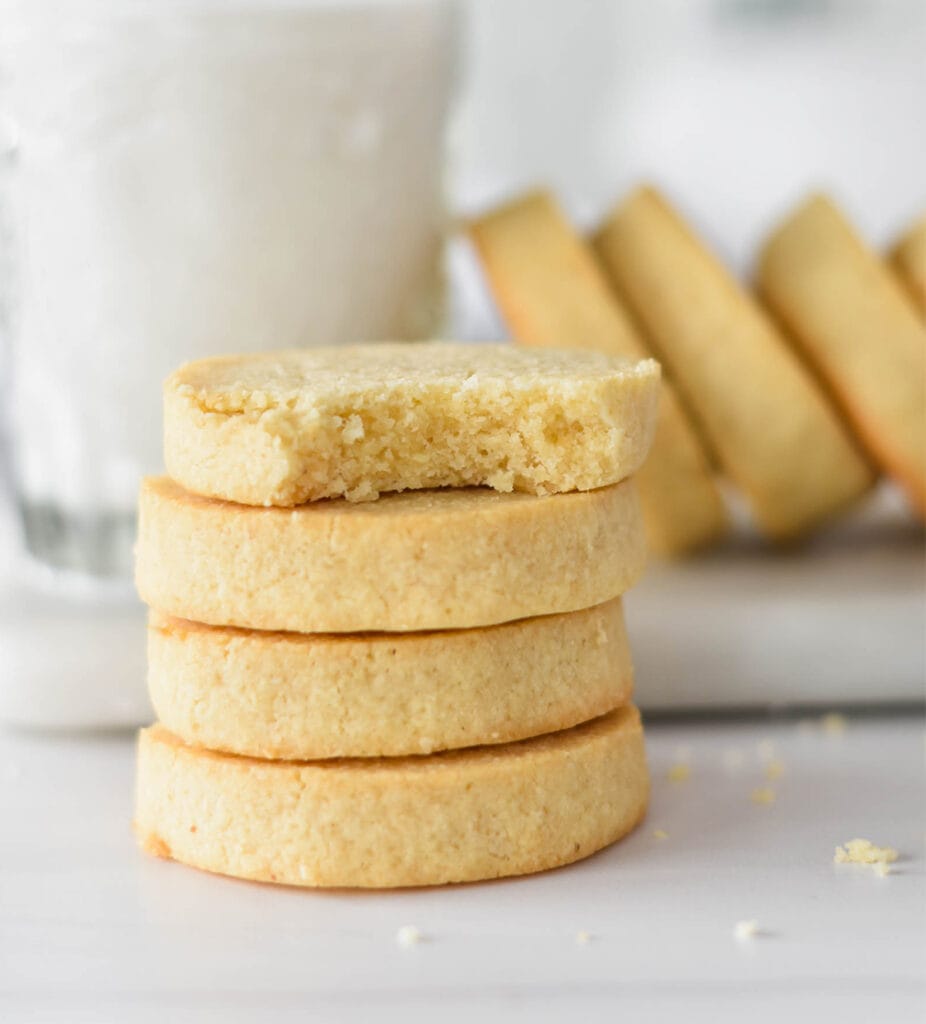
(192, 178)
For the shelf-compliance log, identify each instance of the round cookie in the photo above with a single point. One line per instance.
(300, 697)
(772, 429)
(550, 291)
(282, 428)
(418, 560)
(458, 816)
(852, 320)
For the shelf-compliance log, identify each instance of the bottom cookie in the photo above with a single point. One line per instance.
(458, 816)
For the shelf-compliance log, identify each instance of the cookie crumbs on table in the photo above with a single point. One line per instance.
(865, 852)
(774, 769)
(408, 935)
(833, 723)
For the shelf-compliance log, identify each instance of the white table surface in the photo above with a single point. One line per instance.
(93, 930)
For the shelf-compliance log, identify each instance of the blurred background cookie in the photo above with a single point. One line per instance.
(773, 430)
(857, 329)
(908, 258)
(551, 292)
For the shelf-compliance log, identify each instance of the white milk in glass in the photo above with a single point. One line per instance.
(196, 178)
(179, 179)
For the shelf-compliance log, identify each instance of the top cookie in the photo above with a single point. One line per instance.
(283, 428)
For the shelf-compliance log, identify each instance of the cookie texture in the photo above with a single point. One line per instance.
(771, 427)
(551, 292)
(908, 259)
(419, 560)
(854, 324)
(303, 697)
(283, 428)
(458, 816)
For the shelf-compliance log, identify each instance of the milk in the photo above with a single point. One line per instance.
(206, 177)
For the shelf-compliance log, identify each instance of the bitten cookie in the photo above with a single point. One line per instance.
(447, 559)
(854, 324)
(908, 259)
(459, 816)
(773, 430)
(294, 696)
(283, 428)
(550, 292)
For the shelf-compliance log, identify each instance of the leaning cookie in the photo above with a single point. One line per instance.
(458, 816)
(773, 430)
(303, 697)
(908, 258)
(855, 325)
(550, 292)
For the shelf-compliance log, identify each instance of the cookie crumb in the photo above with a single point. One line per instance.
(745, 931)
(774, 769)
(680, 772)
(408, 935)
(583, 938)
(864, 851)
(763, 795)
(834, 724)
(660, 833)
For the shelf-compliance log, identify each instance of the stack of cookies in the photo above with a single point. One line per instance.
(386, 644)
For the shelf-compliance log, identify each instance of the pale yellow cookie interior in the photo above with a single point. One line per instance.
(282, 428)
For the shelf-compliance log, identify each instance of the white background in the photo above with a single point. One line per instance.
(736, 107)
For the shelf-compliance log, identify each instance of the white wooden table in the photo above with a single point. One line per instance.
(91, 930)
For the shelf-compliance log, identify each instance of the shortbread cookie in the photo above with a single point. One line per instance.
(855, 325)
(445, 559)
(282, 428)
(908, 258)
(551, 292)
(303, 697)
(459, 816)
(773, 430)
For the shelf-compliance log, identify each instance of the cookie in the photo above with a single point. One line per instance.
(774, 432)
(458, 816)
(282, 428)
(550, 292)
(855, 326)
(908, 258)
(447, 559)
(300, 697)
